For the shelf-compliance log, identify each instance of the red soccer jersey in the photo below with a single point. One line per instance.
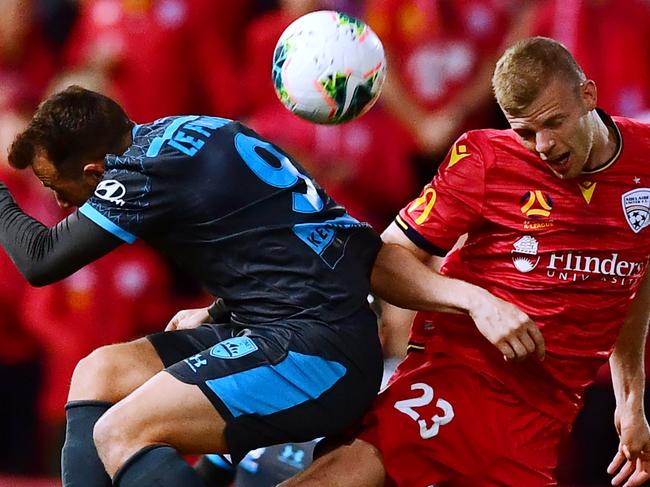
(569, 253)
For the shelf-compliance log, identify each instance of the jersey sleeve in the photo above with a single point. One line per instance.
(126, 204)
(452, 203)
(46, 255)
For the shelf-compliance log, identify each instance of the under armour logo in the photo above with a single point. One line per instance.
(195, 361)
(292, 457)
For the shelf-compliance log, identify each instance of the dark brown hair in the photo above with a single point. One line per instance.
(529, 66)
(73, 127)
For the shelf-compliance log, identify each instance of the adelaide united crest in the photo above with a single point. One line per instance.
(636, 207)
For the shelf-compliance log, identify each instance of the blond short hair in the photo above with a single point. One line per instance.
(529, 66)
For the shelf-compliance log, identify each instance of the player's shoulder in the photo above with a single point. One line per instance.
(631, 123)
(492, 137)
(632, 129)
(635, 139)
(166, 127)
(487, 143)
(174, 137)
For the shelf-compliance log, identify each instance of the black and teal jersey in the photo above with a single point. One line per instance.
(241, 215)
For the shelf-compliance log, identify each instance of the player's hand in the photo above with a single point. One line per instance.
(187, 319)
(631, 464)
(507, 327)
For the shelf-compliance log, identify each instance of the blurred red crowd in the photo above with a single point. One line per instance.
(167, 57)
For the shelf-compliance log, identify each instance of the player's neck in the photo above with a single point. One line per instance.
(604, 144)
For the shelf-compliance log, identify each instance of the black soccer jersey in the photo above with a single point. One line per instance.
(239, 214)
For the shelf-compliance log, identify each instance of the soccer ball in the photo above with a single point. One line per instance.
(328, 67)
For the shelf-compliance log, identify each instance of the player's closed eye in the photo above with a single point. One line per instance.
(554, 122)
(526, 135)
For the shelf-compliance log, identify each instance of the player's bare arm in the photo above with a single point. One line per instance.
(631, 465)
(401, 276)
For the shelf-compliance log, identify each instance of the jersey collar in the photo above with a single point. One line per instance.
(609, 122)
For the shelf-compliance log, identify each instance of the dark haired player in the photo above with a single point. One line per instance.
(299, 357)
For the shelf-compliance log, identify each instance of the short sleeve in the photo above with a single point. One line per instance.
(452, 204)
(125, 204)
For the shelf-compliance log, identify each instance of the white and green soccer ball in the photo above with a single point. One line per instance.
(328, 67)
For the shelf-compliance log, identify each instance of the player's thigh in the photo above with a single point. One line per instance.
(357, 463)
(277, 386)
(534, 441)
(113, 371)
(428, 423)
(515, 474)
(162, 410)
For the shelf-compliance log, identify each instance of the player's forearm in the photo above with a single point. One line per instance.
(627, 366)
(627, 359)
(628, 380)
(45, 255)
(22, 237)
(402, 280)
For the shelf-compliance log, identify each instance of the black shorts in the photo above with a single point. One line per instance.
(288, 382)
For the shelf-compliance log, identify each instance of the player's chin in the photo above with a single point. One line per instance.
(566, 170)
(560, 174)
(574, 172)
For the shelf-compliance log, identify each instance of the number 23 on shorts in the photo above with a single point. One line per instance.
(407, 406)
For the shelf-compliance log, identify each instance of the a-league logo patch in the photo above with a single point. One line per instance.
(636, 206)
(233, 348)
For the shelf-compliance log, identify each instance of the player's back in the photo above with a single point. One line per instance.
(242, 216)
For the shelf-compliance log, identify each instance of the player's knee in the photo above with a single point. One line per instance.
(109, 373)
(108, 436)
(115, 439)
(93, 374)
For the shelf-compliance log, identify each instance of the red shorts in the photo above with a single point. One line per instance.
(441, 423)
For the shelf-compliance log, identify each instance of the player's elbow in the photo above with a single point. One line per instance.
(38, 277)
(38, 280)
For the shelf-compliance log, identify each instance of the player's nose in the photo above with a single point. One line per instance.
(544, 143)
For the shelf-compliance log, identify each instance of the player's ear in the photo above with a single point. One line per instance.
(94, 170)
(589, 94)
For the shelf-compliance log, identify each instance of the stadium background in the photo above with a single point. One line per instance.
(163, 57)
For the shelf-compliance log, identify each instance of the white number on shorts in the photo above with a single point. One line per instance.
(406, 406)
